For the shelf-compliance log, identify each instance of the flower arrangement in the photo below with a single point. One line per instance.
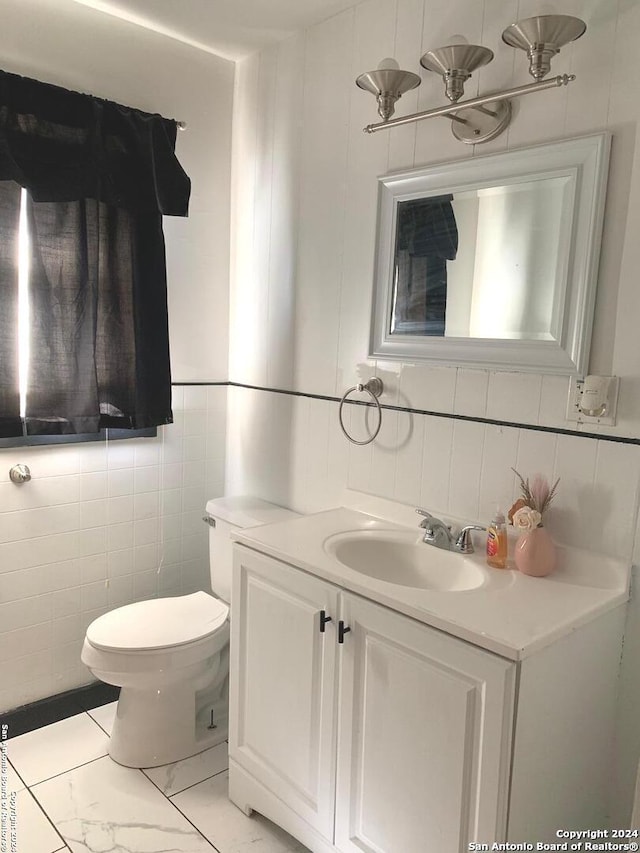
(526, 513)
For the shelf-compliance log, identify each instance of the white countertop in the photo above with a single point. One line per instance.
(510, 614)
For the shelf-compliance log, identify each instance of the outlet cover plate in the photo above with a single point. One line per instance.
(573, 404)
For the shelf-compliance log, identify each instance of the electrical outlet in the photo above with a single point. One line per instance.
(574, 413)
(573, 400)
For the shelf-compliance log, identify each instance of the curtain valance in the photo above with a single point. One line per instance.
(65, 146)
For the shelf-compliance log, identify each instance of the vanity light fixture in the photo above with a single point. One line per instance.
(483, 118)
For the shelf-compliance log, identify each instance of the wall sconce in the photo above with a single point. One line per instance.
(388, 83)
(455, 63)
(542, 38)
(482, 118)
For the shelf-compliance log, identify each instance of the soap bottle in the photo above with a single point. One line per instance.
(497, 542)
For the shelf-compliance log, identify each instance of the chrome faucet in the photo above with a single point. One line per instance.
(439, 534)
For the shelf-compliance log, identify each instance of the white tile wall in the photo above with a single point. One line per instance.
(455, 467)
(408, 469)
(98, 527)
(318, 178)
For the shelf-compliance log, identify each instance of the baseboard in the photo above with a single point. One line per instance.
(55, 708)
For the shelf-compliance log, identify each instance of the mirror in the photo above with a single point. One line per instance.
(492, 262)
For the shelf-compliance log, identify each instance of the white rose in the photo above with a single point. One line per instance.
(526, 518)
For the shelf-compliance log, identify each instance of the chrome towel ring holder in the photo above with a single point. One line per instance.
(374, 388)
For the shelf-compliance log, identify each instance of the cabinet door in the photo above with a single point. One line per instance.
(283, 683)
(424, 737)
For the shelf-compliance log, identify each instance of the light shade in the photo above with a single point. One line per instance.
(542, 37)
(455, 63)
(387, 84)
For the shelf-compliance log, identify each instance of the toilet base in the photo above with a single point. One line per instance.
(159, 726)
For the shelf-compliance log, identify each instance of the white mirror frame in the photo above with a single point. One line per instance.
(586, 160)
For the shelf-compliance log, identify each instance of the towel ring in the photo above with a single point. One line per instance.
(374, 388)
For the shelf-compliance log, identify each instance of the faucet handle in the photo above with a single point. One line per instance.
(463, 543)
(426, 517)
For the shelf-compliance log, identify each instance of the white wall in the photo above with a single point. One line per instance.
(303, 227)
(99, 527)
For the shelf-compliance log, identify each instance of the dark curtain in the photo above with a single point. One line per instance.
(427, 237)
(10, 423)
(99, 177)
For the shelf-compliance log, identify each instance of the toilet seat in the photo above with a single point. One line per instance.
(160, 623)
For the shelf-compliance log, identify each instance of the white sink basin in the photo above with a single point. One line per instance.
(400, 557)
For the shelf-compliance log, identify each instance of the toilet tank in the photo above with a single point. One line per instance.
(228, 514)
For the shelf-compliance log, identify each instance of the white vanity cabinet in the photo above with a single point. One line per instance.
(443, 719)
(395, 740)
(283, 685)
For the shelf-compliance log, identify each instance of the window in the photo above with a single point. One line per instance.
(84, 184)
(24, 337)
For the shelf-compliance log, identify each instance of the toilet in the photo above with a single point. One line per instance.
(170, 656)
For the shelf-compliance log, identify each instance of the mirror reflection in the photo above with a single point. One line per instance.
(490, 262)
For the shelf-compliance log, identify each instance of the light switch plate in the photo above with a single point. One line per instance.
(573, 403)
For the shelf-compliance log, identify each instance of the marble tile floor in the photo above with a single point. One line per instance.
(62, 792)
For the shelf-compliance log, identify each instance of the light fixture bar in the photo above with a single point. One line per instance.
(457, 118)
(516, 92)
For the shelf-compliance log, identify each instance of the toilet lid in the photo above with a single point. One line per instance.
(159, 623)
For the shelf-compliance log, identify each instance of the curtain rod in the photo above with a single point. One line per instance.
(181, 125)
